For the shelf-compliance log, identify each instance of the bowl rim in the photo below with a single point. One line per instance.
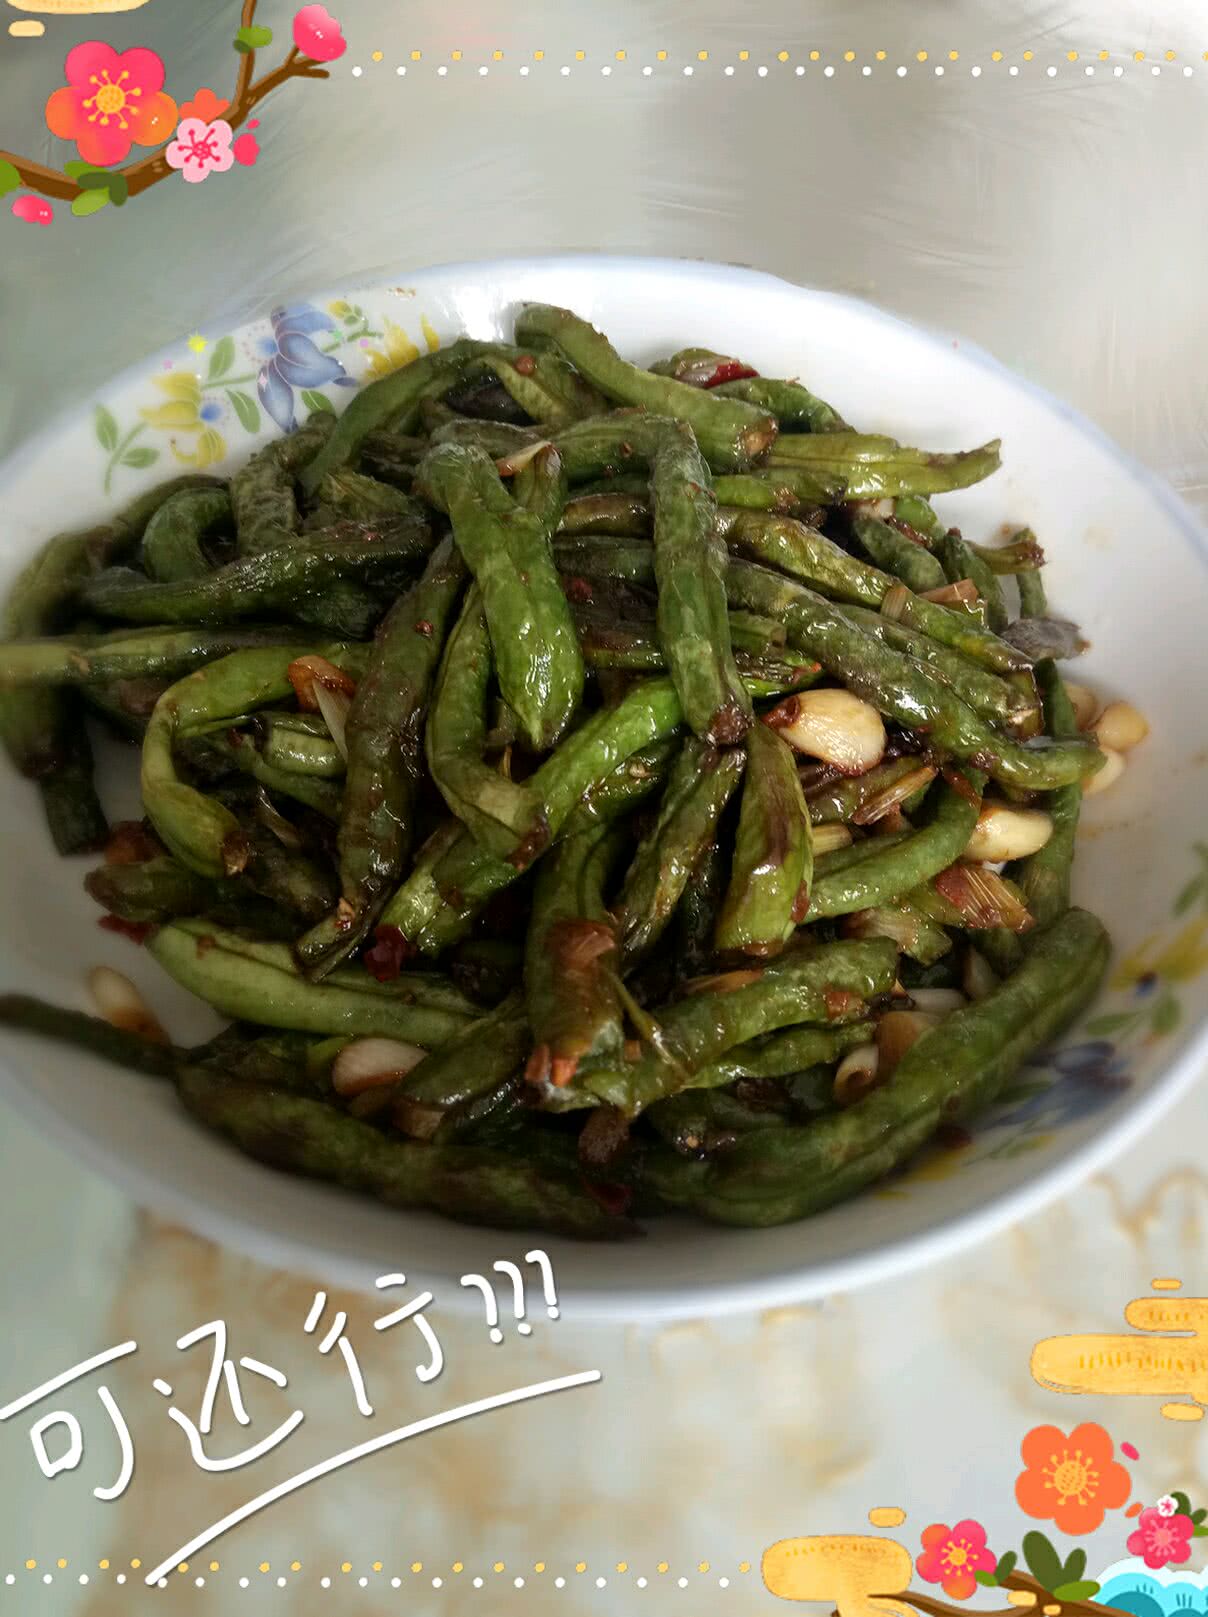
(151, 1186)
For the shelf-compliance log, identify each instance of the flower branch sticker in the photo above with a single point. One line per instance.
(115, 101)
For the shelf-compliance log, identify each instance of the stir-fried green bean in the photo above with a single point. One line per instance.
(555, 769)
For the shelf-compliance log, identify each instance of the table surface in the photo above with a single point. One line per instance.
(1056, 220)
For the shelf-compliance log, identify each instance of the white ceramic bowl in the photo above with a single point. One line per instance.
(1126, 560)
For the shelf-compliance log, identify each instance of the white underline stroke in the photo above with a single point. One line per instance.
(430, 1423)
(77, 1373)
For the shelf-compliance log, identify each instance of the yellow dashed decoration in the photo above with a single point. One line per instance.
(849, 56)
(815, 56)
(782, 56)
(744, 56)
(456, 55)
(458, 1567)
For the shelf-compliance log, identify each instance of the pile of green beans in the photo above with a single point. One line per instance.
(483, 790)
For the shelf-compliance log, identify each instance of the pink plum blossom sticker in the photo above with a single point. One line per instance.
(201, 149)
(34, 210)
(317, 34)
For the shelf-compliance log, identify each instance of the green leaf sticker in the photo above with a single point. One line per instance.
(105, 427)
(1078, 1589)
(315, 401)
(75, 168)
(1197, 1516)
(1005, 1567)
(247, 410)
(255, 38)
(1182, 1501)
(1043, 1560)
(90, 202)
(221, 359)
(140, 457)
(244, 50)
(9, 178)
(988, 1580)
(1075, 1565)
(1199, 1532)
(119, 191)
(93, 179)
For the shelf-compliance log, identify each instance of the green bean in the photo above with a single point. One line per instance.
(297, 744)
(808, 555)
(872, 467)
(391, 457)
(883, 873)
(348, 496)
(229, 750)
(487, 1052)
(391, 399)
(1044, 876)
(893, 552)
(434, 907)
(837, 802)
(951, 1073)
(698, 1122)
(172, 543)
(697, 913)
(917, 512)
(43, 731)
(780, 488)
(473, 1184)
(498, 439)
(291, 881)
(294, 581)
(688, 561)
(1033, 602)
(1021, 554)
(689, 565)
(994, 696)
(907, 691)
(202, 833)
(773, 855)
(124, 654)
(960, 561)
(570, 959)
(624, 514)
(700, 785)
(779, 1055)
(506, 818)
(794, 406)
(74, 815)
(731, 434)
(25, 1014)
(507, 548)
(220, 968)
(382, 737)
(160, 889)
(699, 1030)
(546, 387)
(263, 503)
(909, 928)
(613, 644)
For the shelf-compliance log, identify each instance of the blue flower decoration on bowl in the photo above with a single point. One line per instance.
(1088, 1076)
(1131, 1586)
(295, 361)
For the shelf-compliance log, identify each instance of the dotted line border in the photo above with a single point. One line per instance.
(457, 1575)
(938, 64)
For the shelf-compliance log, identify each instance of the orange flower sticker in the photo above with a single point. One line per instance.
(1072, 1481)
